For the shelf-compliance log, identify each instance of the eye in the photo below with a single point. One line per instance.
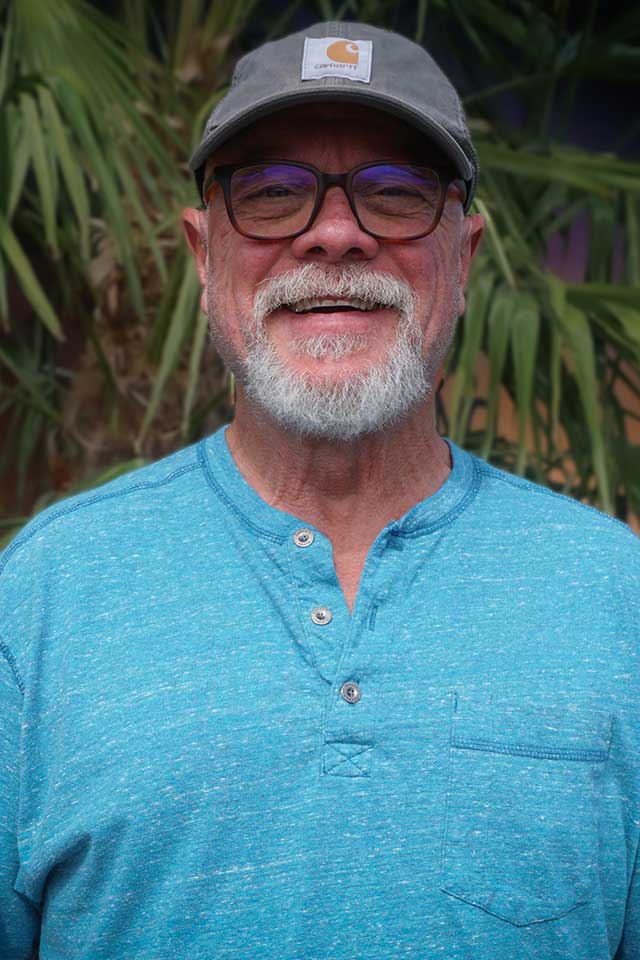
(273, 190)
(397, 190)
(271, 183)
(393, 183)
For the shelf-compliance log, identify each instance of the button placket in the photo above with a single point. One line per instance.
(324, 620)
(352, 716)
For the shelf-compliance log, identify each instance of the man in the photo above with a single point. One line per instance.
(323, 685)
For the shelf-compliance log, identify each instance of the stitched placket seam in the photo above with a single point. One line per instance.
(353, 755)
(307, 646)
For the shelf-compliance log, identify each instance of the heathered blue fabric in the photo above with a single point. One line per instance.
(181, 779)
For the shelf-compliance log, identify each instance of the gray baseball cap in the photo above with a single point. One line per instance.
(344, 61)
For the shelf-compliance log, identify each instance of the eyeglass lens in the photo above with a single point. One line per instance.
(391, 200)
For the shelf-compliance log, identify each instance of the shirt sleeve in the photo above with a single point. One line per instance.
(19, 919)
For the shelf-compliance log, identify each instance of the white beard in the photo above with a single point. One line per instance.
(362, 403)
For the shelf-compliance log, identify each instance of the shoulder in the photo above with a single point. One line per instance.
(87, 515)
(535, 513)
(54, 569)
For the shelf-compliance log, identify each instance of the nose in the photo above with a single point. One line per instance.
(335, 234)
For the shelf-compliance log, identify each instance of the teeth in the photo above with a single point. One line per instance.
(301, 306)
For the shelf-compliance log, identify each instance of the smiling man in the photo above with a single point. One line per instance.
(334, 301)
(323, 686)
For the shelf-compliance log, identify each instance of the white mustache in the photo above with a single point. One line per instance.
(314, 282)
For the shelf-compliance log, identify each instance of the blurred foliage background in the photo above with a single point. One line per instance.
(105, 361)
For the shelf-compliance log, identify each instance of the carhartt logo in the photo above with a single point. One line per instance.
(337, 57)
(343, 52)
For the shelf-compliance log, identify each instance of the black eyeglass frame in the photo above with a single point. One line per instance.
(223, 174)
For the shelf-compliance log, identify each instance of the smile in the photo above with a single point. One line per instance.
(331, 306)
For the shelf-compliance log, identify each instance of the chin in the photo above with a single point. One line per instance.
(339, 397)
(333, 361)
(330, 371)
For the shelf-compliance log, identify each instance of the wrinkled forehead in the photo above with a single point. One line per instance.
(376, 131)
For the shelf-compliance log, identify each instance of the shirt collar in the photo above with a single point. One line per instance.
(436, 511)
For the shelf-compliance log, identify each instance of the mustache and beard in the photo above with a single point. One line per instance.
(361, 403)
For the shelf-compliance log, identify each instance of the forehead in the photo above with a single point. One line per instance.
(322, 126)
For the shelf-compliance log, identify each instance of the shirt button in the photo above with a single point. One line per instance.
(303, 538)
(321, 615)
(350, 692)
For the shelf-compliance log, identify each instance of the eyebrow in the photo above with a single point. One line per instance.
(256, 155)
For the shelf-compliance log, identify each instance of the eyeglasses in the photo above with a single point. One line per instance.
(280, 199)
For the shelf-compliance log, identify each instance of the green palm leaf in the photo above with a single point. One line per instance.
(15, 255)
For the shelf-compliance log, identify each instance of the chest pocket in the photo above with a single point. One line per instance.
(521, 824)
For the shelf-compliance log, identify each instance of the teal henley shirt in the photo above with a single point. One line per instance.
(204, 756)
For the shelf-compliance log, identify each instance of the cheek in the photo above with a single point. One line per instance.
(237, 267)
(434, 271)
(434, 276)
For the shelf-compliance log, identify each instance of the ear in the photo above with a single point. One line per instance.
(472, 230)
(194, 227)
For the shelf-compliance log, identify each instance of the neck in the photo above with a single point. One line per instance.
(348, 490)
